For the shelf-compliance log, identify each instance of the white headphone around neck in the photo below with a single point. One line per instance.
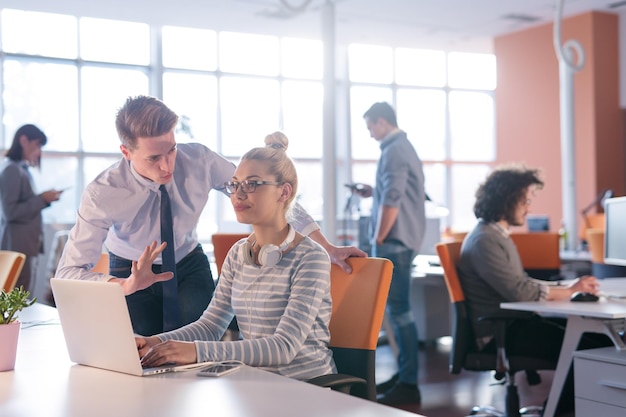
(270, 254)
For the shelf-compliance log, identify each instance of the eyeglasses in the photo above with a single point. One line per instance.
(247, 186)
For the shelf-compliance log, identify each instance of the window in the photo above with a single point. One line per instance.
(445, 104)
(114, 41)
(188, 48)
(230, 90)
(249, 54)
(194, 98)
(104, 90)
(35, 33)
(45, 92)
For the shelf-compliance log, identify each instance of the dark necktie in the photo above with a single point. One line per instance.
(170, 288)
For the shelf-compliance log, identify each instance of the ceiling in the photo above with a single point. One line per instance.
(444, 24)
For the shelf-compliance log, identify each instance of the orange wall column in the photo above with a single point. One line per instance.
(528, 109)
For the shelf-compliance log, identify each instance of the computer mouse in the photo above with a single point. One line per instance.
(584, 296)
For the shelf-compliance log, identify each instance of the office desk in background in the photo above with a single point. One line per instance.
(605, 316)
(45, 383)
(430, 303)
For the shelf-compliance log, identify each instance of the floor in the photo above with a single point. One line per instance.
(447, 395)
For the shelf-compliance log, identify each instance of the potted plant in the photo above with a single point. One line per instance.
(11, 303)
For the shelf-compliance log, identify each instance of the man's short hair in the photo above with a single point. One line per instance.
(505, 187)
(143, 117)
(381, 110)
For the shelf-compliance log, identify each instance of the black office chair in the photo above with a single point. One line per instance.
(465, 353)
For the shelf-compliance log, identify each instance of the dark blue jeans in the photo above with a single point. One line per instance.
(195, 289)
(398, 308)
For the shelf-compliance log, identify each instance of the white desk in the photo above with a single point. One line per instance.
(46, 383)
(606, 317)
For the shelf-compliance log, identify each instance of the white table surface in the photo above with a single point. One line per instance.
(606, 316)
(46, 383)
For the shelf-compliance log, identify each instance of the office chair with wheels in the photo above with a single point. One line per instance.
(359, 301)
(465, 353)
(11, 264)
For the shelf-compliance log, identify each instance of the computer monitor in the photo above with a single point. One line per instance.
(538, 223)
(615, 231)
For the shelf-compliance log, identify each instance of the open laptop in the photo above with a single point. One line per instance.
(97, 328)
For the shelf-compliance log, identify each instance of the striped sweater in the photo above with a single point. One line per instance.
(282, 312)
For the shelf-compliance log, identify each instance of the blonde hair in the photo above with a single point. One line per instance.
(278, 163)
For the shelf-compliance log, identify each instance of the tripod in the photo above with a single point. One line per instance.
(351, 202)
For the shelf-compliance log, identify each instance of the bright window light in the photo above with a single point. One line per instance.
(36, 33)
(189, 48)
(467, 70)
(370, 63)
(249, 54)
(114, 41)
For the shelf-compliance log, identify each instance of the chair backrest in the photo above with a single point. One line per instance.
(599, 269)
(595, 240)
(222, 242)
(457, 236)
(359, 301)
(449, 254)
(540, 253)
(11, 264)
(463, 340)
(538, 250)
(591, 221)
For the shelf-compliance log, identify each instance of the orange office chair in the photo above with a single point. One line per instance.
(359, 301)
(222, 242)
(599, 269)
(539, 252)
(11, 264)
(102, 265)
(590, 221)
(465, 353)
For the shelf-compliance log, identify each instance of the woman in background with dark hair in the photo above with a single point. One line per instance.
(20, 212)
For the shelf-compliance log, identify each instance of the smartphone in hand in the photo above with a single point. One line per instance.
(219, 369)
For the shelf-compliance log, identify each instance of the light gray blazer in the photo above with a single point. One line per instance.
(20, 211)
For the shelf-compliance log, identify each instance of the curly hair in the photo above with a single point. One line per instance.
(505, 187)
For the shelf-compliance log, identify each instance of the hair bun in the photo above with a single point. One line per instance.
(277, 140)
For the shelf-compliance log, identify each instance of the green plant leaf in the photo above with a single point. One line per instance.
(13, 302)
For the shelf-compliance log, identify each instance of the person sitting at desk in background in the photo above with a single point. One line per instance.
(280, 292)
(21, 228)
(122, 209)
(491, 272)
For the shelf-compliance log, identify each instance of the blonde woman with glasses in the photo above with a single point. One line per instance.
(276, 281)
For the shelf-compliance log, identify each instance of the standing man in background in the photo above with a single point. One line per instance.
(397, 227)
(21, 228)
